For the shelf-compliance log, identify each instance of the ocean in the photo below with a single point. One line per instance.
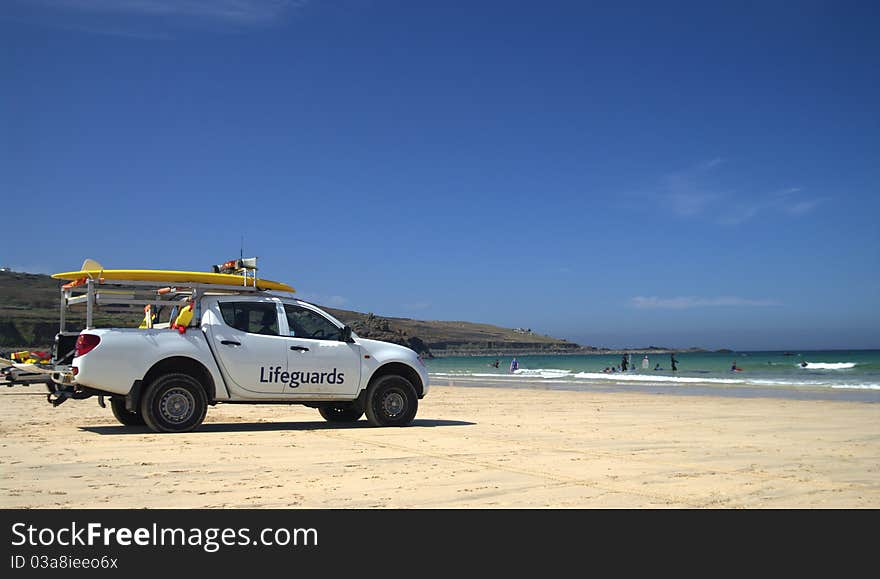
(833, 374)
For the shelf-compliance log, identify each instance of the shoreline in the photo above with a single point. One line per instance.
(585, 352)
(485, 353)
(720, 390)
(469, 447)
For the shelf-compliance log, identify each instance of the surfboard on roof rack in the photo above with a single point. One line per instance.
(120, 290)
(93, 271)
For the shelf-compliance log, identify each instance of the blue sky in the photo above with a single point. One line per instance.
(617, 174)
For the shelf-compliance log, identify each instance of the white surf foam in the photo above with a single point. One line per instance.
(621, 377)
(542, 372)
(828, 365)
(867, 386)
(560, 375)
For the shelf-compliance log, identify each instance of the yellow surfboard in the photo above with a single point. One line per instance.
(171, 276)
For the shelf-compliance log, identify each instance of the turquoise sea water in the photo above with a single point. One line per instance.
(854, 371)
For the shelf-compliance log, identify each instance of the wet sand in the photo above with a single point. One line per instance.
(469, 447)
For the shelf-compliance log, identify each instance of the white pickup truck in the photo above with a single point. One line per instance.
(240, 348)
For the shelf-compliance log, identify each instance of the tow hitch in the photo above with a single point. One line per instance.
(62, 394)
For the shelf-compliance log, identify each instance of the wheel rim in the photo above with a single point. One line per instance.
(393, 404)
(177, 405)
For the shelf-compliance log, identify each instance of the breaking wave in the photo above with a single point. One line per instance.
(828, 365)
(542, 373)
(569, 376)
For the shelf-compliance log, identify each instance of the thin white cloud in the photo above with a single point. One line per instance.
(802, 207)
(780, 202)
(240, 11)
(710, 164)
(698, 191)
(741, 214)
(689, 193)
(118, 32)
(690, 203)
(688, 302)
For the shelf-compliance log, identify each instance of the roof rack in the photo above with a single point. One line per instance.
(122, 296)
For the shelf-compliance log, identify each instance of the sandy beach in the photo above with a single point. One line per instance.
(469, 447)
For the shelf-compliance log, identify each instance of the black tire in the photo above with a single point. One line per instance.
(391, 401)
(341, 412)
(124, 416)
(174, 403)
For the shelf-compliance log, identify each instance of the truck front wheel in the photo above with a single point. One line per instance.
(174, 403)
(123, 415)
(341, 412)
(391, 401)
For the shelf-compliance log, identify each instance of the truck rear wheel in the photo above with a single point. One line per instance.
(391, 401)
(341, 412)
(174, 403)
(124, 416)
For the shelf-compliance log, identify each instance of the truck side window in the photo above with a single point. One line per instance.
(251, 317)
(305, 323)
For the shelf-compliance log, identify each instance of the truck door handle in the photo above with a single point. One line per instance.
(299, 348)
(230, 343)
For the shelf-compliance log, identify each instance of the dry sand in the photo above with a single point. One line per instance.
(469, 447)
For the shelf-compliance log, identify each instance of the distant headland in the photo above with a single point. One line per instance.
(29, 318)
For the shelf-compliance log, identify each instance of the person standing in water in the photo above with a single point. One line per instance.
(673, 361)
(514, 365)
(623, 363)
(645, 363)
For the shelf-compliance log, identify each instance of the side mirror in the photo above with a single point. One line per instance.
(346, 334)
